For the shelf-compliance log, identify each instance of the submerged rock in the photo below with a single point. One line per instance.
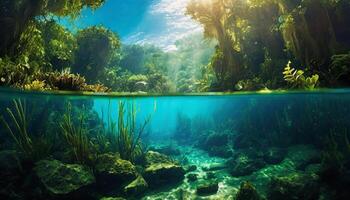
(192, 177)
(247, 192)
(160, 174)
(152, 157)
(210, 175)
(302, 155)
(215, 167)
(274, 155)
(190, 168)
(61, 179)
(113, 171)
(243, 165)
(169, 150)
(216, 145)
(294, 186)
(207, 188)
(136, 187)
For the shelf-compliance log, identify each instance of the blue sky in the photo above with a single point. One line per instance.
(158, 22)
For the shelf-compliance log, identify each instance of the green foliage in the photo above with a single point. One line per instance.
(59, 45)
(34, 149)
(63, 80)
(339, 69)
(76, 136)
(122, 135)
(14, 73)
(96, 48)
(296, 78)
(128, 137)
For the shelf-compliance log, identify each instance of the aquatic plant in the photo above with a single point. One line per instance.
(19, 134)
(33, 148)
(337, 152)
(297, 79)
(122, 135)
(76, 137)
(128, 137)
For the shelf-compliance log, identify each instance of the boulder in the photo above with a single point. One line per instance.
(274, 155)
(303, 155)
(190, 168)
(243, 165)
(152, 157)
(114, 172)
(61, 179)
(169, 150)
(160, 174)
(214, 167)
(192, 177)
(161, 170)
(247, 192)
(216, 145)
(294, 186)
(208, 188)
(136, 187)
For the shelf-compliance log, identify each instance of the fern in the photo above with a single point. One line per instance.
(297, 79)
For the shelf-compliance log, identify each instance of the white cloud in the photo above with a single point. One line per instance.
(174, 25)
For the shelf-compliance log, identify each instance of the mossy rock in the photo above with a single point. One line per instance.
(136, 187)
(294, 186)
(62, 179)
(243, 165)
(113, 171)
(247, 192)
(206, 189)
(152, 157)
(161, 174)
(169, 150)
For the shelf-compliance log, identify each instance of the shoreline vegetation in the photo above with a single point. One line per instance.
(238, 51)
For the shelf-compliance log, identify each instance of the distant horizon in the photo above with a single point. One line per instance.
(157, 22)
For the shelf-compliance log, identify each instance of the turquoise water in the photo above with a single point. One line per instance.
(253, 137)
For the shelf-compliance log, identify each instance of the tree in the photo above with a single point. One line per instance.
(17, 16)
(96, 47)
(59, 45)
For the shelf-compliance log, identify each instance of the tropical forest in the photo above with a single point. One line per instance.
(175, 99)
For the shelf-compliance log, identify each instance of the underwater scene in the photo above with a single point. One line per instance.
(235, 146)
